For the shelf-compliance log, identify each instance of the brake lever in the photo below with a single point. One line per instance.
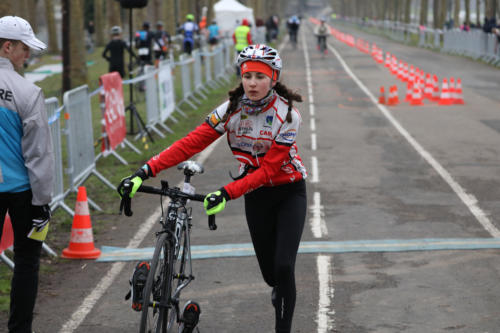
(211, 222)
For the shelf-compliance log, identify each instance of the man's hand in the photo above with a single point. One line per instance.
(40, 216)
(215, 202)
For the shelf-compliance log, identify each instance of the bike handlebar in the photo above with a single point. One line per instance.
(126, 202)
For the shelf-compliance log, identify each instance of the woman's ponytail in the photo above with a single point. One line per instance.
(289, 95)
(234, 98)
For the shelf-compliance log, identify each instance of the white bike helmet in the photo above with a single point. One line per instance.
(116, 30)
(262, 53)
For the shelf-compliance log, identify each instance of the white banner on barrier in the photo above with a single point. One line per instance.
(166, 91)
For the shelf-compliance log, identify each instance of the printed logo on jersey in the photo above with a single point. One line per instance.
(213, 118)
(269, 120)
(258, 146)
(243, 144)
(246, 126)
(289, 135)
(265, 133)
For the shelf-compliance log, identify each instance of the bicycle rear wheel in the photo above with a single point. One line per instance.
(155, 307)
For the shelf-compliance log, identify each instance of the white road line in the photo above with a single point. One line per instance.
(469, 200)
(318, 225)
(314, 171)
(326, 313)
(312, 124)
(89, 302)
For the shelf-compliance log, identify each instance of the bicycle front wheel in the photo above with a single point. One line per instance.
(156, 303)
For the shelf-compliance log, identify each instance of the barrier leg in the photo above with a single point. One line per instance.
(180, 111)
(7, 261)
(47, 249)
(131, 146)
(165, 127)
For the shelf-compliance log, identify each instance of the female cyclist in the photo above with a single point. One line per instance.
(261, 125)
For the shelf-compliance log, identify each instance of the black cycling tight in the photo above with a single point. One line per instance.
(275, 217)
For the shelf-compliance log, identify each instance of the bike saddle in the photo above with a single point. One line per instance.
(190, 167)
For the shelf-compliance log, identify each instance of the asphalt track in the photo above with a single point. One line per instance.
(381, 179)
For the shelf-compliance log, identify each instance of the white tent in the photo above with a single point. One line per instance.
(229, 13)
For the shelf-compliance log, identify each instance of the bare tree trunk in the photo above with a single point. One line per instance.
(100, 27)
(424, 7)
(51, 26)
(456, 13)
(211, 16)
(169, 14)
(157, 11)
(467, 12)
(478, 13)
(443, 13)
(113, 14)
(78, 68)
(435, 14)
(407, 11)
(6, 8)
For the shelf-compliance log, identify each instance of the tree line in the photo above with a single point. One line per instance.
(420, 10)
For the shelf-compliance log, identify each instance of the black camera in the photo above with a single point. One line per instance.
(133, 3)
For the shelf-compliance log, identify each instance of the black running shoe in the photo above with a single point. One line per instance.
(190, 316)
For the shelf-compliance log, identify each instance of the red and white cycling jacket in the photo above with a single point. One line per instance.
(263, 143)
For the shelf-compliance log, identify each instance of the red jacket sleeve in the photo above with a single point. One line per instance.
(276, 156)
(182, 149)
(234, 38)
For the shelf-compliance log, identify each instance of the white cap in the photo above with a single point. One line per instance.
(17, 28)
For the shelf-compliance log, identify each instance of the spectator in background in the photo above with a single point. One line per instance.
(260, 34)
(26, 167)
(188, 29)
(143, 44)
(161, 41)
(465, 27)
(293, 25)
(114, 51)
(90, 32)
(272, 28)
(242, 37)
(213, 34)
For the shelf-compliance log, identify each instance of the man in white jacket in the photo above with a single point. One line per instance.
(26, 165)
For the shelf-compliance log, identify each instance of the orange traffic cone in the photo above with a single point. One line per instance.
(429, 87)
(81, 244)
(435, 91)
(452, 89)
(459, 98)
(409, 89)
(445, 98)
(394, 99)
(381, 98)
(416, 98)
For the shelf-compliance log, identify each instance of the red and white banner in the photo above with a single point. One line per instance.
(114, 110)
(7, 235)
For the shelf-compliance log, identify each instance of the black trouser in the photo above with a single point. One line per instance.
(24, 285)
(275, 217)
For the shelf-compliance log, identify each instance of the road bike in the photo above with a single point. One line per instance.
(170, 268)
(322, 45)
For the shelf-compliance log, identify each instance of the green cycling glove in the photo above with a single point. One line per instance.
(136, 179)
(215, 202)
